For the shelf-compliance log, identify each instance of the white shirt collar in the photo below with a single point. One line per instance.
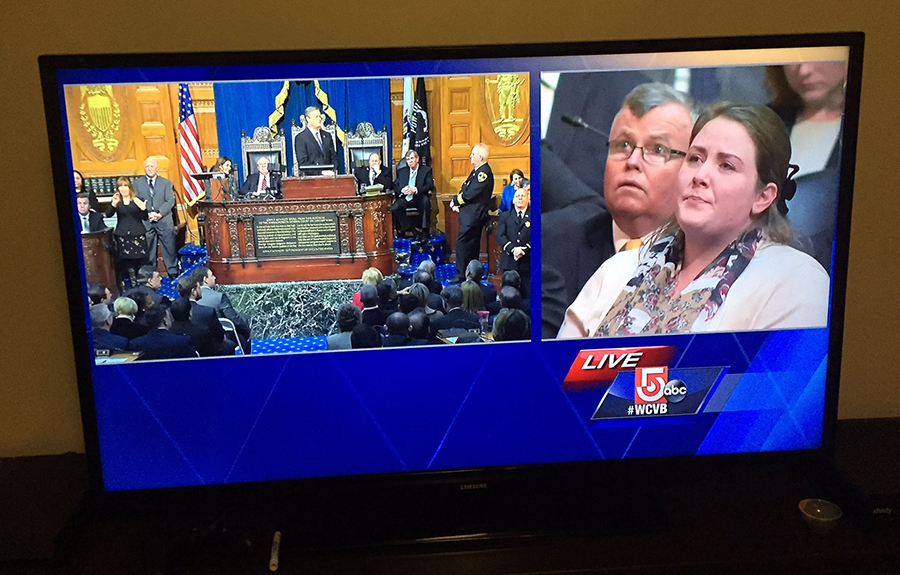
(620, 238)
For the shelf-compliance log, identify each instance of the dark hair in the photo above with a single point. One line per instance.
(474, 271)
(368, 295)
(200, 274)
(419, 324)
(516, 172)
(364, 336)
(452, 296)
(780, 91)
(512, 325)
(186, 285)
(387, 291)
(97, 292)
(155, 316)
(773, 156)
(511, 278)
(84, 186)
(220, 161)
(83, 196)
(423, 277)
(348, 317)
(144, 274)
(397, 323)
(181, 309)
(510, 297)
(408, 302)
(142, 299)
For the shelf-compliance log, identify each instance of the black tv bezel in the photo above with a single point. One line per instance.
(55, 115)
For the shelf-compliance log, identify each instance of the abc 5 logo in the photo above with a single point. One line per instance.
(652, 385)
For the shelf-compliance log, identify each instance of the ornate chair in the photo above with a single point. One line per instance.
(262, 144)
(295, 129)
(359, 145)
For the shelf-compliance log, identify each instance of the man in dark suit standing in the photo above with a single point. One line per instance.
(374, 174)
(413, 187)
(472, 203)
(90, 221)
(159, 194)
(261, 183)
(514, 239)
(313, 146)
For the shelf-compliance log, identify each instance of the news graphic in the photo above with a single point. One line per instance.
(638, 382)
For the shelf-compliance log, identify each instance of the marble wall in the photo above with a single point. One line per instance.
(291, 309)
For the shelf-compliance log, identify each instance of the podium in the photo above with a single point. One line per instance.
(321, 230)
(98, 249)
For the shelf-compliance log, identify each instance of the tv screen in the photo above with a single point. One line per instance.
(241, 230)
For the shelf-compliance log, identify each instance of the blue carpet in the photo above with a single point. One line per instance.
(287, 345)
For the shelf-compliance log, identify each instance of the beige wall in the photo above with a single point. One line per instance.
(38, 399)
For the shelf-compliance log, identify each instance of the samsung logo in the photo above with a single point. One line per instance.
(470, 486)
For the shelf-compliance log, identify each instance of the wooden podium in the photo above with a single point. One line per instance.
(99, 266)
(321, 230)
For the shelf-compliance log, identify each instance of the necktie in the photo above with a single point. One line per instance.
(85, 226)
(150, 181)
(319, 140)
(632, 244)
(264, 183)
(371, 177)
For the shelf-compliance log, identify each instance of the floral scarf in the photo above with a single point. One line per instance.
(648, 303)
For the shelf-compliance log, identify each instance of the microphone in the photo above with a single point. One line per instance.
(577, 122)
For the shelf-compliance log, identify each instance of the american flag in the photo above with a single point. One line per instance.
(190, 146)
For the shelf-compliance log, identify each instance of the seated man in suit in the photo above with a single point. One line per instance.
(454, 315)
(514, 238)
(419, 326)
(219, 301)
(397, 326)
(374, 174)
(101, 320)
(159, 343)
(99, 293)
(372, 314)
(90, 221)
(201, 339)
(365, 336)
(413, 187)
(348, 318)
(148, 281)
(189, 287)
(262, 183)
(313, 146)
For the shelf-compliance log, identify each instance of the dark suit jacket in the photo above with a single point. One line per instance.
(309, 153)
(156, 297)
(160, 344)
(511, 234)
(457, 318)
(424, 179)
(163, 200)
(474, 197)
(222, 304)
(206, 316)
(201, 339)
(384, 177)
(402, 341)
(127, 328)
(95, 221)
(105, 340)
(252, 184)
(375, 317)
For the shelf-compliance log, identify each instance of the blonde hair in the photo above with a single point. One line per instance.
(372, 276)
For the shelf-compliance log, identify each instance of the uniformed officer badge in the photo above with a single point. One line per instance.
(528, 224)
(481, 177)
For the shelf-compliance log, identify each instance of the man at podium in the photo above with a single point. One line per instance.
(313, 146)
(262, 184)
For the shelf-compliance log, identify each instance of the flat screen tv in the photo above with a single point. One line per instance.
(729, 160)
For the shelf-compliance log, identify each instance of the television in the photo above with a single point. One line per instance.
(455, 419)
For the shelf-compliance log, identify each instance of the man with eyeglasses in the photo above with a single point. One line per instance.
(645, 152)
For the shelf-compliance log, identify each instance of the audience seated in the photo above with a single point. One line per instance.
(372, 315)
(371, 276)
(159, 343)
(143, 302)
(408, 302)
(349, 316)
(434, 289)
(201, 339)
(510, 278)
(475, 273)
(398, 330)
(101, 320)
(124, 325)
(364, 336)
(220, 302)
(148, 281)
(426, 265)
(472, 298)
(455, 316)
(99, 293)
(512, 325)
(189, 287)
(424, 297)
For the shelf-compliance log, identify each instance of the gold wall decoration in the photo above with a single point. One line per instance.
(503, 97)
(101, 116)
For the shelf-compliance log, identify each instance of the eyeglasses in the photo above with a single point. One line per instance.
(655, 154)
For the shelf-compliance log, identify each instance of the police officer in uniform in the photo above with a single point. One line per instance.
(514, 237)
(472, 203)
